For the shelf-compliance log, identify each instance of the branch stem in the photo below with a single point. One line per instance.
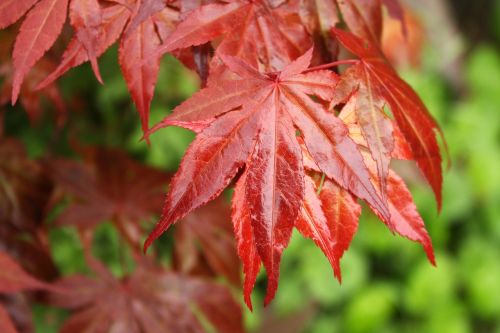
(333, 64)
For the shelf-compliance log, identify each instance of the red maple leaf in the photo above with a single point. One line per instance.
(260, 136)
(13, 279)
(204, 243)
(252, 30)
(150, 300)
(101, 191)
(24, 197)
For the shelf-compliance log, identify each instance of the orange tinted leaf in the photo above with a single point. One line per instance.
(397, 12)
(416, 124)
(363, 17)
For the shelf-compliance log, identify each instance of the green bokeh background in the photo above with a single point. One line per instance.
(388, 285)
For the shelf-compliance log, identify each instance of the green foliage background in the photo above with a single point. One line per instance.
(388, 285)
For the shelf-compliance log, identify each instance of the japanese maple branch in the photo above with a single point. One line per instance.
(333, 64)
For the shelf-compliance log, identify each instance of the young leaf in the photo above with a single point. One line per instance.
(363, 17)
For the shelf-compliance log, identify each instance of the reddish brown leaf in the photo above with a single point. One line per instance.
(274, 187)
(404, 48)
(30, 99)
(209, 164)
(319, 17)
(204, 242)
(405, 219)
(397, 12)
(6, 324)
(39, 31)
(101, 192)
(150, 301)
(206, 23)
(411, 115)
(13, 278)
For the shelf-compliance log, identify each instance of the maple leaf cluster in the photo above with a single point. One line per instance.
(302, 136)
(149, 297)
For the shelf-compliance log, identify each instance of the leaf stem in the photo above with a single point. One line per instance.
(333, 64)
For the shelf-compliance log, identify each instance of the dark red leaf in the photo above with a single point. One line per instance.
(13, 278)
(150, 300)
(102, 192)
(204, 238)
